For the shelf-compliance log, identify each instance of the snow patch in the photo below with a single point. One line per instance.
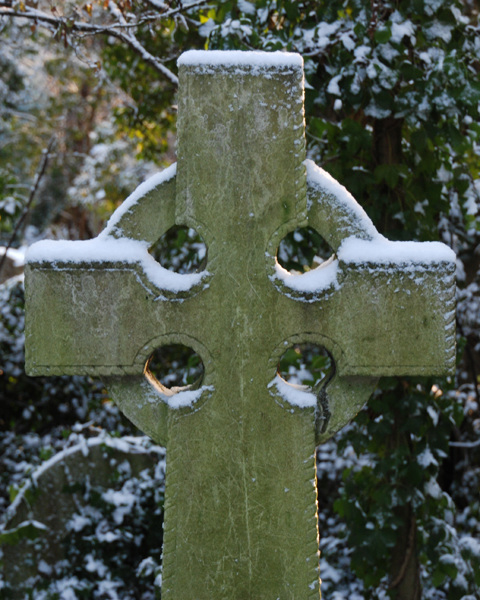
(433, 489)
(319, 178)
(433, 414)
(78, 522)
(471, 545)
(426, 458)
(296, 395)
(333, 87)
(186, 398)
(108, 249)
(439, 30)
(246, 7)
(383, 251)
(239, 58)
(17, 256)
(206, 28)
(319, 279)
(401, 30)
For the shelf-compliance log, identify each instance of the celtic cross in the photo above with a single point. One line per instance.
(240, 508)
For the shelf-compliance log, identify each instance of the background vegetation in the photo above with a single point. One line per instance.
(87, 111)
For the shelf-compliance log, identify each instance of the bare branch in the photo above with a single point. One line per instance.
(173, 11)
(474, 444)
(121, 30)
(33, 190)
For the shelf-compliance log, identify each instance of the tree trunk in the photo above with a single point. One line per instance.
(404, 564)
(387, 141)
(405, 567)
(387, 150)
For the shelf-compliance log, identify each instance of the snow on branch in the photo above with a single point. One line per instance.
(121, 29)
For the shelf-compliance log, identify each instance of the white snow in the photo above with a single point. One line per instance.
(372, 110)
(347, 41)
(296, 395)
(44, 568)
(426, 458)
(78, 522)
(433, 489)
(439, 30)
(206, 28)
(323, 33)
(17, 256)
(433, 414)
(94, 565)
(96, 250)
(185, 398)
(361, 53)
(383, 251)
(471, 545)
(401, 30)
(108, 249)
(240, 58)
(246, 7)
(34, 523)
(319, 178)
(333, 87)
(130, 444)
(315, 280)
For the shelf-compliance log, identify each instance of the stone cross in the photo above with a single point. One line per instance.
(240, 508)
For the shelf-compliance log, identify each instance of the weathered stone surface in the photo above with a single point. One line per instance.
(49, 501)
(240, 513)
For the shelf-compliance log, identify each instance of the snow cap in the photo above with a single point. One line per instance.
(240, 58)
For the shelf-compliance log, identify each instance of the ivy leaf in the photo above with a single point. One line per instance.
(389, 174)
(27, 529)
(382, 36)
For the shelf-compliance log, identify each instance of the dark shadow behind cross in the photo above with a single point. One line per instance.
(240, 508)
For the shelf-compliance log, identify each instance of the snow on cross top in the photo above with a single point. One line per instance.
(257, 61)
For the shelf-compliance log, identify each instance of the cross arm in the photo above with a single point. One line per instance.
(389, 306)
(380, 308)
(92, 305)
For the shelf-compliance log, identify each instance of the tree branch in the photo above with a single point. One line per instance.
(33, 190)
(408, 554)
(474, 444)
(121, 30)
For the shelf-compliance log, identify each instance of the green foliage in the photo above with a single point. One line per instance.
(405, 432)
(11, 201)
(28, 529)
(302, 250)
(112, 546)
(176, 365)
(120, 539)
(306, 364)
(181, 250)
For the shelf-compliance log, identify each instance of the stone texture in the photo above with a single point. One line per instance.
(53, 497)
(240, 512)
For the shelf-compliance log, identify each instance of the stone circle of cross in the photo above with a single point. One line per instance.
(240, 508)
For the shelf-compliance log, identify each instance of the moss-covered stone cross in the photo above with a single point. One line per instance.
(240, 509)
